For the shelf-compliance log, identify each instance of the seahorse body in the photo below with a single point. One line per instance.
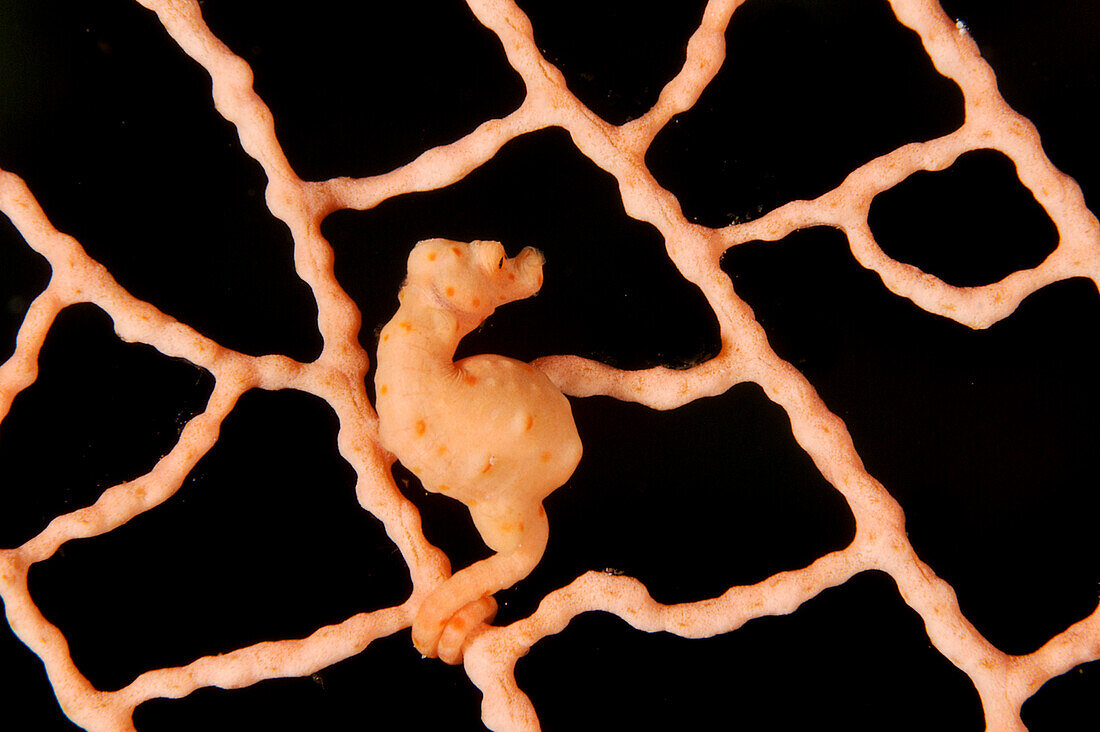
(490, 431)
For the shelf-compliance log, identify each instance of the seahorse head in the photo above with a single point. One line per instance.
(473, 279)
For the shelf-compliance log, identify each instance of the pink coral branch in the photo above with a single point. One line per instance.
(122, 502)
(435, 168)
(80, 279)
(269, 660)
(295, 202)
(704, 57)
(990, 123)
(491, 657)
(338, 376)
(21, 370)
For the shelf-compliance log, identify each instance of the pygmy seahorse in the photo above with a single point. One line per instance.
(489, 431)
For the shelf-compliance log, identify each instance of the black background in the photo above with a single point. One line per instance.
(984, 437)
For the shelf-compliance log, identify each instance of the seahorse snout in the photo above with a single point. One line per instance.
(526, 268)
(530, 259)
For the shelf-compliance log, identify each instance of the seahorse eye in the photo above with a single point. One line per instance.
(490, 255)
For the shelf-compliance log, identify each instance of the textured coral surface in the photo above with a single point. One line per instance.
(190, 476)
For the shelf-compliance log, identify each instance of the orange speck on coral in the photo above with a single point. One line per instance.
(383, 389)
(470, 379)
(457, 251)
(450, 292)
(545, 457)
(477, 302)
(431, 256)
(420, 427)
(530, 421)
(441, 450)
(406, 326)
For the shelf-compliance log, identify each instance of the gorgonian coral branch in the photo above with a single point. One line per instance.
(338, 375)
